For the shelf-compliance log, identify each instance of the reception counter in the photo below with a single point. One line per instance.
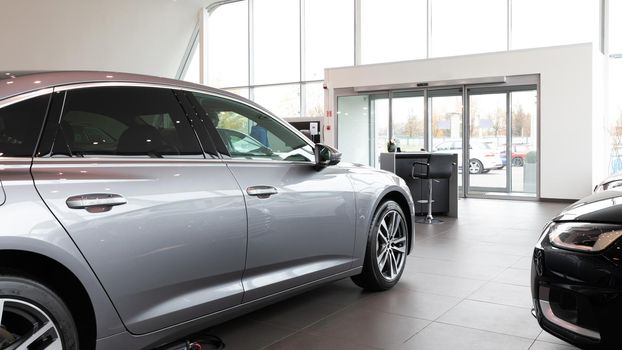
(444, 192)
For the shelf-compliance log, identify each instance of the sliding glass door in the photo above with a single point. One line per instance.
(446, 132)
(503, 140)
(408, 120)
(492, 129)
(363, 127)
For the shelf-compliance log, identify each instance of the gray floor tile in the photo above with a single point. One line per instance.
(541, 345)
(438, 336)
(370, 327)
(502, 293)
(438, 284)
(519, 277)
(343, 292)
(463, 269)
(402, 301)
(307, 341)
(245, 334)
(496, 318)
(296, 313)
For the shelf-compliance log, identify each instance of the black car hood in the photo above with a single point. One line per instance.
(600, 207)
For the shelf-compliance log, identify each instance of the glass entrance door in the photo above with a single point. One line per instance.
(408, 120)
(363, 127)
(487, 140)
(498, 123)
(503, 139)
(446, 131)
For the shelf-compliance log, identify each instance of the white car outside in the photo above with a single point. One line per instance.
(482, 157)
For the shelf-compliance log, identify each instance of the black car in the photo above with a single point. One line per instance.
(576, 274)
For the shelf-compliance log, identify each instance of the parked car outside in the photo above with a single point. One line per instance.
(137, 210)
(519, 151)
(576, 274)
(482, 156)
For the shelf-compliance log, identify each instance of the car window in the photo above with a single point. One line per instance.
(124, 121)
(251, 134)
(20, 124)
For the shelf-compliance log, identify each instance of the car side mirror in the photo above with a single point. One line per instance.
(325, 156)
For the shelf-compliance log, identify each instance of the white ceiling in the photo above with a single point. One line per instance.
(138, 36)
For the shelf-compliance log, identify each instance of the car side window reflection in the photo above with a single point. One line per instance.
(251, 134)
(124, 121)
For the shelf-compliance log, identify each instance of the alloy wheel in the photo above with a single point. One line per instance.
(25, 326)
(475, 167)
(391, 245)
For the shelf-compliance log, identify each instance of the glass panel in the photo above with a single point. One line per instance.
(537, 23)
(227, 45)
(524, 141)
(250, 134)
(464, 27)
(20, 124)
(282, 100)
(393, 30)
(488, 130)
(328, 36)
(408, 121)
(446, 112)
(353, 128)
(380, 119)
(125, 121)
(615, 116)
(239, 91)
(615, 27)
(314, 100)
(276, 35)
(193, 71)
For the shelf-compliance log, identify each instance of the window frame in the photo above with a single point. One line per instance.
(220, 143)
(56, 108)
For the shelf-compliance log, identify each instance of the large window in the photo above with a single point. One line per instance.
(328, 36)
(537, 23)
(615, 26)
(465, 27)
(276, 41)
(258, 48)
(227, 45)
(393, 30)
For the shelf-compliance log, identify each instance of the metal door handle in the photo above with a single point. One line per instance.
(103, 201)
(261, 191)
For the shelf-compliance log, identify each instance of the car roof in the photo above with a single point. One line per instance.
(13, 83)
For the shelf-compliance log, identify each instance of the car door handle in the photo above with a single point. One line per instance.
(95, 202)
(261, 191)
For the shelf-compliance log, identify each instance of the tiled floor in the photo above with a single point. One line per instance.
(466, 286)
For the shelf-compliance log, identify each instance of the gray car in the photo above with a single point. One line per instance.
(137, 210)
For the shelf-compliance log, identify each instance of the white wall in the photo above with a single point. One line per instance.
(138, 36)
(567, 107)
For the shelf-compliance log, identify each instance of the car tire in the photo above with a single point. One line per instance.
(517, 161)
(34, 316)
(387, 248)
(475, 166)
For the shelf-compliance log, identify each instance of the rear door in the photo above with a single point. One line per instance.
(161, 222)
(301, 221)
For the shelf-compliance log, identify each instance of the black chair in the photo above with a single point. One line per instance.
(437, 166)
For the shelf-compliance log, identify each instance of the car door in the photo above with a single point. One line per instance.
(161, 222)
(301, 221)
